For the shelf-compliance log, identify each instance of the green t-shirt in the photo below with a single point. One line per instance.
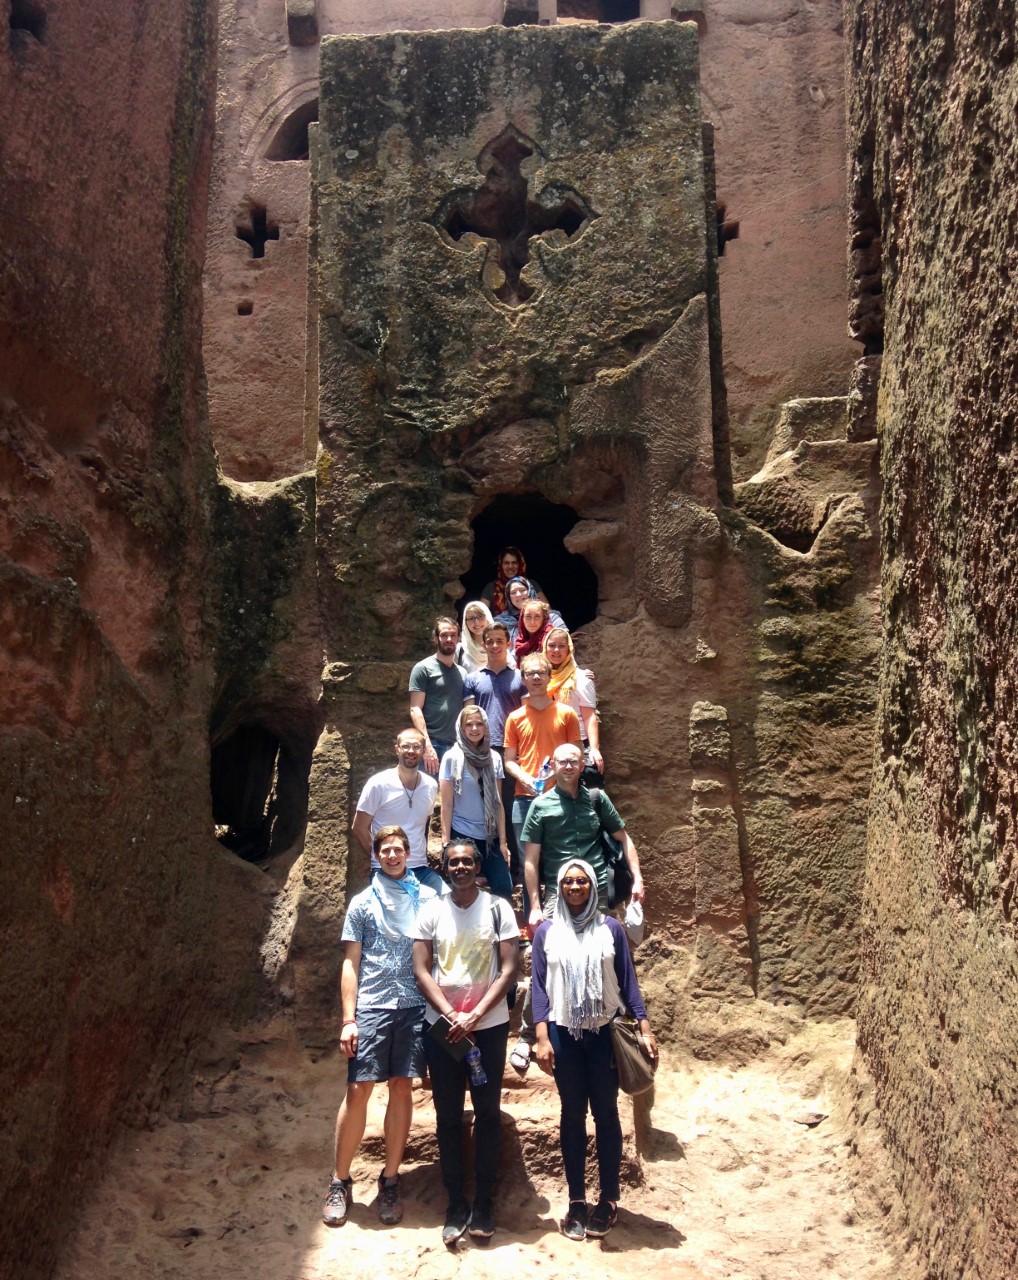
(442, 687)
(566, 828)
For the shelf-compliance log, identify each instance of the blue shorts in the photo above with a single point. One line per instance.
(388, 1044)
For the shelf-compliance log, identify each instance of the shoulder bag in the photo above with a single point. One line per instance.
(620, 878)
(636, 1070)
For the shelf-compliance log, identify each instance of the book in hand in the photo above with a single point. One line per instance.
(439, 1031)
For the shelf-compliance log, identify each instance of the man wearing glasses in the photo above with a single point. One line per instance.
(563, 824)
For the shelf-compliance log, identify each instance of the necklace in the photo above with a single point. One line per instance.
(409, 791)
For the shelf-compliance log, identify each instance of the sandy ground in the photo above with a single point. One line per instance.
(737, 1177)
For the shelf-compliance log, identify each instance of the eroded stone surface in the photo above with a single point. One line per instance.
(126, 929)
(936, 157)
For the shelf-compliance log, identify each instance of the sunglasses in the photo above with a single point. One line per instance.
(578, 882)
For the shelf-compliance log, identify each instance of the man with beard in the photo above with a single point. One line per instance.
(403, 796)
(436, 694)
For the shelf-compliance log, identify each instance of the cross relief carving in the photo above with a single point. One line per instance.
(503, 212)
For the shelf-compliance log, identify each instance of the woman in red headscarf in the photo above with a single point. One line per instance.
(511, 564)
(535, 623)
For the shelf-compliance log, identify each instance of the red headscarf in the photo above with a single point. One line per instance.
(527, 642)
(500, 602)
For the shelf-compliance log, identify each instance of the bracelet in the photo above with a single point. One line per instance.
(349, 1022)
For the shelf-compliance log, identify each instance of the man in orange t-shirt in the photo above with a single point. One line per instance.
(531, 735)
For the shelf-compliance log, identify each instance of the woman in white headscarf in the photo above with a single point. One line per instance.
(470, 652)
(470, 788)
(582, 975)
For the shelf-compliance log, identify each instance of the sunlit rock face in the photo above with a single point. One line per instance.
(934, 159)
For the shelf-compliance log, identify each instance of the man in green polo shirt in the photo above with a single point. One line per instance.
(563, 824)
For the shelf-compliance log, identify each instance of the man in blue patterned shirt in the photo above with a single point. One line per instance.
(383, 1015)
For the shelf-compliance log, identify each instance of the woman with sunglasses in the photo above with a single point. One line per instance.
(582, 975)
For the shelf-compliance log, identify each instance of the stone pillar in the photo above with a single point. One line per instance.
(722, 939)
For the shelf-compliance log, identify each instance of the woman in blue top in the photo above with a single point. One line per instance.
(582, 975)
(470, 788)
(519, 591)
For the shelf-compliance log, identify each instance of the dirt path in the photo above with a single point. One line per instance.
(735, 1184)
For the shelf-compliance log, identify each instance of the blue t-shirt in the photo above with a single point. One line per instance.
(386, 978)
(468, 804)
(497, 696)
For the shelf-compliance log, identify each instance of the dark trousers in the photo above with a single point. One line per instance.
(585, 1076)
(449, 1080)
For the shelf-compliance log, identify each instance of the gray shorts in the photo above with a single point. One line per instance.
(388, 1044)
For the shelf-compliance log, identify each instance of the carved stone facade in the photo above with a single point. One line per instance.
(772, 88)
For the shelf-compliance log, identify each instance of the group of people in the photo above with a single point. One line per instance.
(504, 739)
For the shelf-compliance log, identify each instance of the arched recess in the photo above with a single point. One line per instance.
(260, 765)
(290, 141)
(538, 527)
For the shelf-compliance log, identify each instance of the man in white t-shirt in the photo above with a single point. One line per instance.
(402, 797)
(465, 953)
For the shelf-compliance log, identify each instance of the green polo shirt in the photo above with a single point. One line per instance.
(566, 828)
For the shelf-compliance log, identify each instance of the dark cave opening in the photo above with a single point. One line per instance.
(259, 788)
(538, 527)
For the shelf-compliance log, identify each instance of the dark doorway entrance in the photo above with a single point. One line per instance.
(538, 528)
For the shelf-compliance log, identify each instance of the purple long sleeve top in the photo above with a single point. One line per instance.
(629, 988)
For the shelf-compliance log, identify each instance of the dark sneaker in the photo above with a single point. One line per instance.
(601, 1219)
(390, 1207)
(338, 1199)
(457, 1217)
(574, 1224)
(482, 1221)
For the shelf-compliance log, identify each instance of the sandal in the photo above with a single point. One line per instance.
(519, 1059)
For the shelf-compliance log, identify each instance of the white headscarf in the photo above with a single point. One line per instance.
(576, 946)
(469, 643)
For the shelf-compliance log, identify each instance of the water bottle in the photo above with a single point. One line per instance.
(543, 774)
(478, 1075)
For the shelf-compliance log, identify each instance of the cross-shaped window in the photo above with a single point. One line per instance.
(258, 230)
(502, 210)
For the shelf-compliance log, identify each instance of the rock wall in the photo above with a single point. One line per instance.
(126, 928)
(772, 73)
(256, 293)
(773, 87)
(935, 162)
(445, 384)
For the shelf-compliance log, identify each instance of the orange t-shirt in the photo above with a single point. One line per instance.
(535, 734)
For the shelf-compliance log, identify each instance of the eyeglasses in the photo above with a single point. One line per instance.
(577, 882)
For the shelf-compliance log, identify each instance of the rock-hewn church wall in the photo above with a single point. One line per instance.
(935, 178)
(120, 915)
(772, 73)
